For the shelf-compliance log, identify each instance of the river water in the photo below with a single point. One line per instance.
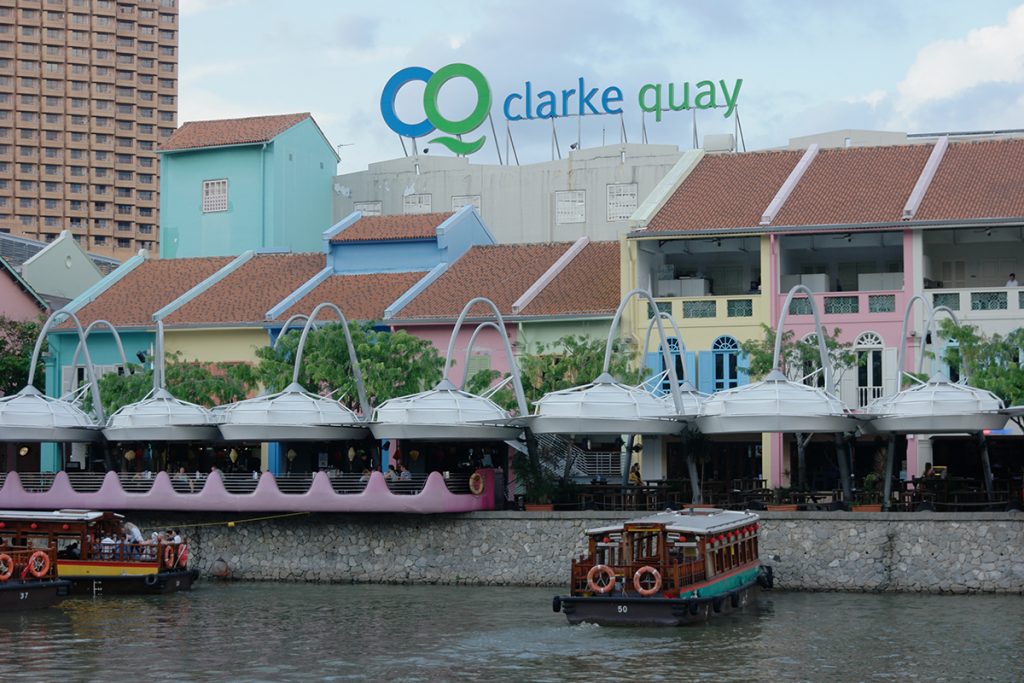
(306, 632)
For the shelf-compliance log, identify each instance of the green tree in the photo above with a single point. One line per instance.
(16, 341)
(569, 361)
(205, 384)
(994, 362)
(797, 359)
(392, 363)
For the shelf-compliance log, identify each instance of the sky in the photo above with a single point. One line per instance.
(807, 66)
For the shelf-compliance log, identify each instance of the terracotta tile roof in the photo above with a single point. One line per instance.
(221, 132)
(499, 272)
(132, 301)
(245, 295)
(400, 227)
(855, 185)
(977, 180)
(360, 297)
(589, 284)
(726, 191)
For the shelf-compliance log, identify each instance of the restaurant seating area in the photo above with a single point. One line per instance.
(942, 494)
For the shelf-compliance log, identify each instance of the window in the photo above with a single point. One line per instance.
(369, 208)
(726, 353)
(417, 203)
(869, 368)
(124, 243)
(461, 200)
(570, 206)
(215, 195)
(674, 351)
(622, 201)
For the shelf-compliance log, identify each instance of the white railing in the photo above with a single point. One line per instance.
(866, 395)
(600, 464)
(980, 301)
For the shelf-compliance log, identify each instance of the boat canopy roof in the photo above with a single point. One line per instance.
(57, 515)
(691, 520)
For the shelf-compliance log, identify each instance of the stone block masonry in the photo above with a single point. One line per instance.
(909, 552)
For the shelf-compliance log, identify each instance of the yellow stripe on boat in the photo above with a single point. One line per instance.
(75, 568)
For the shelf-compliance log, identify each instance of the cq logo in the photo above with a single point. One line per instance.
(434, 120)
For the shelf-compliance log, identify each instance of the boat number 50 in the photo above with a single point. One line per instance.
(623, 609)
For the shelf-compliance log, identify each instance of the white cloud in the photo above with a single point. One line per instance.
(206, 105)
(945, 69)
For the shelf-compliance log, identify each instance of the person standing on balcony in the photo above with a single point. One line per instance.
(1012, 281)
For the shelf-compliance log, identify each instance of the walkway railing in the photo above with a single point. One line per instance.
(319, 492)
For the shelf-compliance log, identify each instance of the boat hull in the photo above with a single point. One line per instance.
(145, 584)
(637, 611)
(17, 595)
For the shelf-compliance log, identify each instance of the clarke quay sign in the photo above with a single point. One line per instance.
(526, 104)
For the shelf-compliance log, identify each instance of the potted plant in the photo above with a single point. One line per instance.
(539, 485)
(872, 499)
(780, 494)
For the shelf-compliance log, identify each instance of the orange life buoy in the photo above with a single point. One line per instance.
(169, 556)
(39, 564)
(638, 581)
(598, 571)
(476, 483)
(6, 566)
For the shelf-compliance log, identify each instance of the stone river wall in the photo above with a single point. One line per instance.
(914, 552)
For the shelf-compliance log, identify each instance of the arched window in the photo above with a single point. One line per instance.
(677, 358)
(869, 367)
(726, 352)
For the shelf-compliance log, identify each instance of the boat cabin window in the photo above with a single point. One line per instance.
(646, 546)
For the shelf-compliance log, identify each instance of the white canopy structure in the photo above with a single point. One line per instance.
(31, 416)
(776, 403)
(160, 416)
(447, 413)
(606, 406)
(296, 414)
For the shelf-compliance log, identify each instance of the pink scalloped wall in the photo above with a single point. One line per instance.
(434, 498)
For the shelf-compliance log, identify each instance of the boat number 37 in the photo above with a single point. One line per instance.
(23, 595)
(623, 609)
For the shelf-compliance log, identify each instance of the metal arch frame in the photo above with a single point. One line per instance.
(644, 294)
(284, 328)
(930, 327)
(356, 372)
(88, 330)
(472, 342)
(679, 338)
(517, 382)
(826, 364)
(90, 368)
(901, 357)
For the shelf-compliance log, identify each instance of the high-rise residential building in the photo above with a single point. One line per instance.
(88, 89)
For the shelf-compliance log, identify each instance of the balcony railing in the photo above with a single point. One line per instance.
(713, 310)
(866, 395)
(848, 303)
(995, 301)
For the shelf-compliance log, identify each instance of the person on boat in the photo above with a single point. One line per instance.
(634, 475)
(365, 476)
(403, 473)
(391, 474)
(928, 471)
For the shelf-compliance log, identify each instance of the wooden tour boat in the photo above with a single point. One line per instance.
(96, 553)
(668, 569)
(28, 579)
